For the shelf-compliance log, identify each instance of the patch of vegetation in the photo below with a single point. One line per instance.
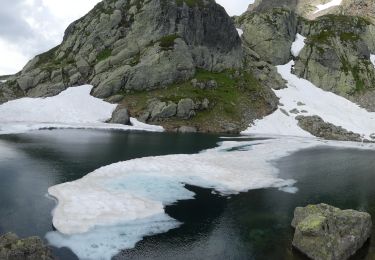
(349, 36)
(322, 37)
(229, 102)
(358, 71)
(104, 54)
(167, 42)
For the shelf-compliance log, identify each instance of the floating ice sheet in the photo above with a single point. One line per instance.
(100, 214)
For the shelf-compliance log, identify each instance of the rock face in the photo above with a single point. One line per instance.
(133, 45)
(270, 34)
(339, 60)
(316, 126)
(323, 232)
(336, 57)
(13, 248)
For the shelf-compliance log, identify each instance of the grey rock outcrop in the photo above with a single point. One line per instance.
(120, 116)
(185, 108)
(316, 126)
(323, 232)
(269, 34)
(13, 248)
(336, 57)
(339, 60)
(133, 45)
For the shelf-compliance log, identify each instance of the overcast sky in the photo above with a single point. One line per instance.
(29, 27)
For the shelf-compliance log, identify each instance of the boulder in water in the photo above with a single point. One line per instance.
(323, 232)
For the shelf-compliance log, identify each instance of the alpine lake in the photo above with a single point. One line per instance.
(250, 225)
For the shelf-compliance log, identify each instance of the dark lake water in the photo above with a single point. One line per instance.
(251, 225)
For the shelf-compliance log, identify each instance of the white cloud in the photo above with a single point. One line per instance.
(12, 58)
(236, 7)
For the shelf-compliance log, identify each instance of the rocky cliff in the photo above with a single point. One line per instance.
(119, 42)
(338, 47)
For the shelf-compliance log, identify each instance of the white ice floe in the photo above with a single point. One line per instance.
(327, 5)
(298, 45)
(304, 96)
(372, 59)
(115, 206)
(240, 31)
(72, 108)
(3, 81)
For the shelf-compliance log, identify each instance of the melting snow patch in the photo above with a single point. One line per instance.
(240, 31)
(72, 108)
(329, 106)
(298, 45)
(327, 5)
(127, 197)
(372, 59)
(114, 207)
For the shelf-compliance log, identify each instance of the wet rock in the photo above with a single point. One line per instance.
(187, 129)
(32, 248)
(323, 232)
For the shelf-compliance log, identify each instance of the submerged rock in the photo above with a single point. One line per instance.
(323, 232)
(32, 248)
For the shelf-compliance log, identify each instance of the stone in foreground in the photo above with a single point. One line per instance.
(323, 232)
(32, 248)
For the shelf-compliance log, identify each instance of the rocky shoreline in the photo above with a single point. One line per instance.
(32, 248)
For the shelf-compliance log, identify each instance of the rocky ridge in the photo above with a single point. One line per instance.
(338, 47)
(119, 42)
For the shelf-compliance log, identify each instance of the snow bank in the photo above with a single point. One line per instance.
(372, 59)
(298, 45)
(327, 5)
(311, 100)
(72, 108)
(115, 206)
(240, 31)
(301, 97)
